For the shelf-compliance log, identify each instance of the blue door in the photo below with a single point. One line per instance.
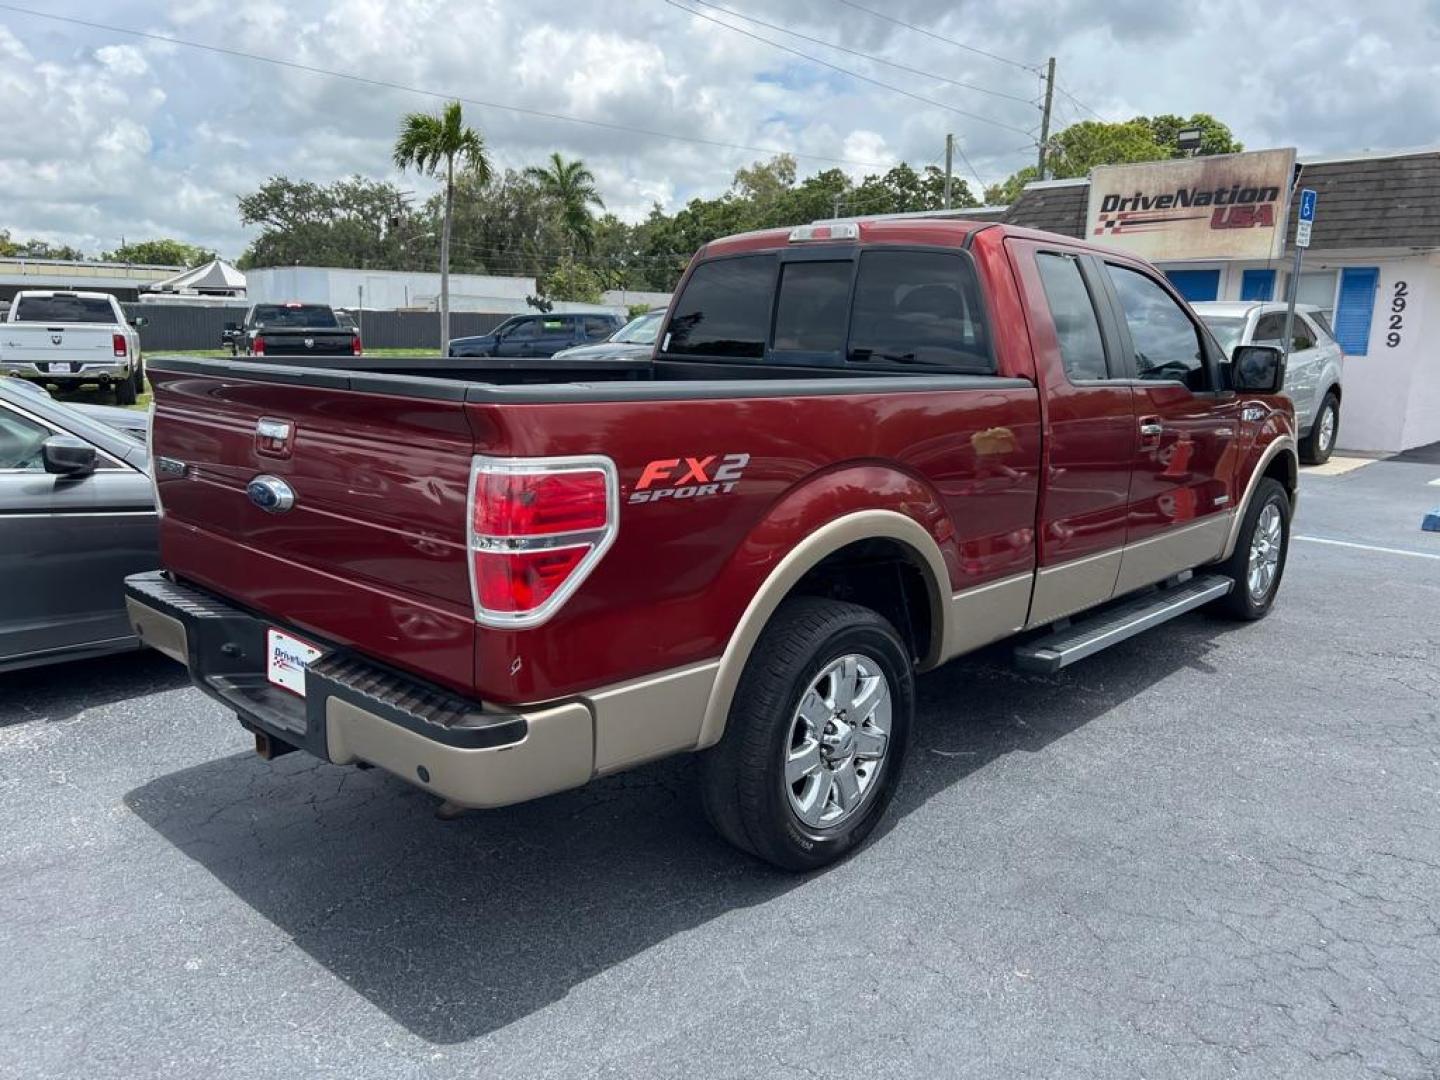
(1257, 285)
(1195, 285)
(1355, 308)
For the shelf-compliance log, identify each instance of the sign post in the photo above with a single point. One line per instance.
(1306, 219)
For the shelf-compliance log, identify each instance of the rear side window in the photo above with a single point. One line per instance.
(810, 313)
(1077, 328)
(725, 309)
(598, 329)
(64, 309)
(918, 309)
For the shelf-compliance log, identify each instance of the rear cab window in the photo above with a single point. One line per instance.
(64, 309)
(876, 309)
(310, 316)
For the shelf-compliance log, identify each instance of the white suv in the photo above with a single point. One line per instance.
(1312, 376)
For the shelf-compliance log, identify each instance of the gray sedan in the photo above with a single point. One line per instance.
(78, 514)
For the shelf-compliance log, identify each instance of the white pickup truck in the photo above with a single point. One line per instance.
(71, 338)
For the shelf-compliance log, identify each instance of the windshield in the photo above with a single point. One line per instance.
(280, 315)
(1228, 330)
(64, 309)
(640, 331)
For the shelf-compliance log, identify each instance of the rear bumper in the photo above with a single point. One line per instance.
(84, 371)
(355, 710)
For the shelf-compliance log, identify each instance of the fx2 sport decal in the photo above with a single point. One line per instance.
(689, 477)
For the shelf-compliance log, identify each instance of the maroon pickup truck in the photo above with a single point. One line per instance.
(859, 450)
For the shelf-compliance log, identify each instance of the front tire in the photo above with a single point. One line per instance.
(1258, 561)
(1317, 447)
(816, 737)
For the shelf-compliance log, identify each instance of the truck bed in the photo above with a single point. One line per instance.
(373, 555)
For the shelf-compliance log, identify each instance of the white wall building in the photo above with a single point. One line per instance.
(386, 290)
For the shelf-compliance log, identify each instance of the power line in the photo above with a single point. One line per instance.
(388, 85)
(846, 71)
(865, 55)
(939, 37)
(1077, 101)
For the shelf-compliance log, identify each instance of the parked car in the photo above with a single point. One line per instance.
(1312, 373)
(132, 422)
(292, 329)
(78, 514)
(633, 341)
(861, 450)
(538, 335)
(69, 339)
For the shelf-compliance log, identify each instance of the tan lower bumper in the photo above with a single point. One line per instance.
(557, 753)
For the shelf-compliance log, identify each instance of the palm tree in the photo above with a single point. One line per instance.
(427, 143)
(571, 187)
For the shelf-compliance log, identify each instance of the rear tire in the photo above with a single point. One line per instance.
(1258, 561)
(816, 737)
(125, 390)
(1316, 447)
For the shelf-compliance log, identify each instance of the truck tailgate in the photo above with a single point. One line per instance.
(70, 343)
(373, 549)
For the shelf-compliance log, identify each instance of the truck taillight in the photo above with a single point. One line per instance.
(117, 342)
(356, 349)
(258, 345)
(537, 527)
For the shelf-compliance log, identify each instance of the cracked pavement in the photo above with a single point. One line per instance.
(1212, 851)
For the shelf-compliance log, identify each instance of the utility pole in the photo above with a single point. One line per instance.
(949, 166)
(1045, 113)
(836, 212)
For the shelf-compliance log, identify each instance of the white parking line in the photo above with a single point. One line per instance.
(1371, 547)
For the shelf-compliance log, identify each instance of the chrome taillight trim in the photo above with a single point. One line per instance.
(598, 540)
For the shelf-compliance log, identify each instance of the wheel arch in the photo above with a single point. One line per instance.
(1280, 461)
(886, 534)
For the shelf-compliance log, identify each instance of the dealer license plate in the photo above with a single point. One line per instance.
(287, 658)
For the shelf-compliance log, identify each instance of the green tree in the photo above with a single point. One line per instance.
(427, 143)
(1080, 147)
(570, 186)
(162, 252)
(1215, 137)
(353, 222)
(8, 247)
(41, 249)
(571, 279)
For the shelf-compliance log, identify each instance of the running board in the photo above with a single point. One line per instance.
(1075, 642)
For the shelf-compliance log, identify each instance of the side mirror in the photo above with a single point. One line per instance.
(139, 321)
(232, 327)
(66, 455)
(1257, 369)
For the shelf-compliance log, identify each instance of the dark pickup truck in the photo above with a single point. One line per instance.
(291, 329)
(860, 450)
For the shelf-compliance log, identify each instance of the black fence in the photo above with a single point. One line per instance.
(178, 328)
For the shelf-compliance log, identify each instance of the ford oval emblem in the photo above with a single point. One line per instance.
(271, 494)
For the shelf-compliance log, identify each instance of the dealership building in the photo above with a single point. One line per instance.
(1223, 228)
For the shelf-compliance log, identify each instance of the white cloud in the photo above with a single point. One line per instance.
(103, 135)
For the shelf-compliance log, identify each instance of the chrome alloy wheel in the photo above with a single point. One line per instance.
(1265, 546)
(839, 736)
(1327, 429)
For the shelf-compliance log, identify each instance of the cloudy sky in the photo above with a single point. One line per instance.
(104, 134)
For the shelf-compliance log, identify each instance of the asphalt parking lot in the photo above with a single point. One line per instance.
(1210, 851)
